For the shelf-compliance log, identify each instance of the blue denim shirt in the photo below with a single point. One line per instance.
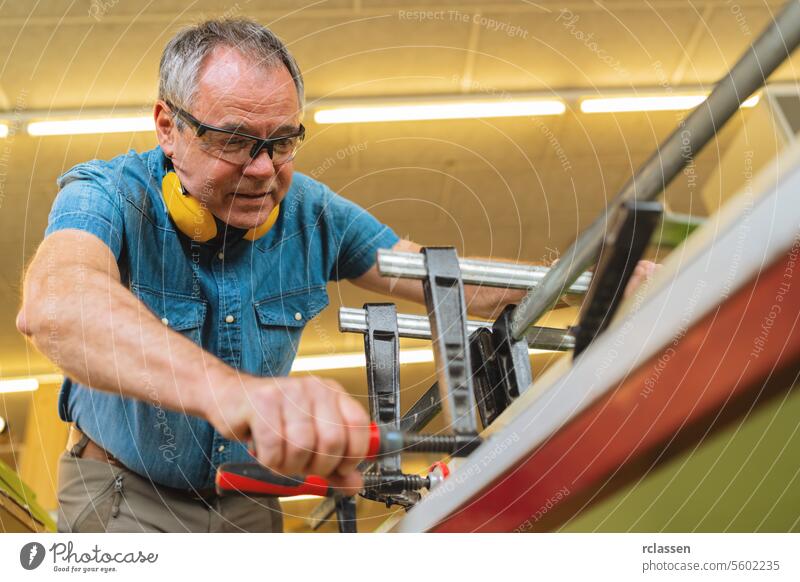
(271, 287)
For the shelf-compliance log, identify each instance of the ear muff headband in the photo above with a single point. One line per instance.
(197, 222)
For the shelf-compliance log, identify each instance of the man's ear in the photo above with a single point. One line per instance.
(166, 132)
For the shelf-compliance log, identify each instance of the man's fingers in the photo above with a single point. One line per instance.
(356, 423)
(298, 431)
(331, 440)
(266, 430)
(641, 273)
(349, 484)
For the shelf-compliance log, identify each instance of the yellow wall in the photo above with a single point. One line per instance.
(45, 439)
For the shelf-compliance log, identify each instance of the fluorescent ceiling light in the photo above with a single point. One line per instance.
(299, 498)
(84, 126)
(651, 103)
(332, 362)
(18, 385)
(3, 130)
(358, 360)
(354, 360)
(49, 378)
(420, 111)
(751, 101)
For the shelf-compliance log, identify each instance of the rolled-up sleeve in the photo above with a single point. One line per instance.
(359, 236)
(86, 204)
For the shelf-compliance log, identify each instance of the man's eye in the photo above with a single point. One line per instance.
(284, 145)
(237, 142)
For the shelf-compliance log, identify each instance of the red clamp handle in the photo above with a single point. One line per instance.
(374, 441)
(443, 468)
(258, 480)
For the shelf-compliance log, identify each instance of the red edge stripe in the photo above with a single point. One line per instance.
(697, 373)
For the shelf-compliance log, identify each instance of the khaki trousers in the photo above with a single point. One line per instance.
(95, 496)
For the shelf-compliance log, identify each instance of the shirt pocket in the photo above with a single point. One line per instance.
(185, 315)
(281, 320)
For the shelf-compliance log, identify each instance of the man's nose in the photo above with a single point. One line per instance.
(260, 166)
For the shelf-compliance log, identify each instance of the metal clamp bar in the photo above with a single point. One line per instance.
(346, 513)
(475, 271)
(512, 358)
(625, 243)
(416, 326)
(417, 418)
(502, 368)
(422, 411)
(447, 309)
(382, 349)
(766, 54)
(549, 338)
(411, 326)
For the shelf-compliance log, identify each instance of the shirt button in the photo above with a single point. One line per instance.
(221, 448)
(221, 256)
(229, 319)
(165, 321)
(298, 316)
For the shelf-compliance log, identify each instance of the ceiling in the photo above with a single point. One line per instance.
(510, 188)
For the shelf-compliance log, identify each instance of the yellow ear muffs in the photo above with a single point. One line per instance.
(262, 229)
(188, 214)
(196, 221)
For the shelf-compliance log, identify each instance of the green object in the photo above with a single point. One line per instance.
(743, 478)
(12, 486)
(674, 229)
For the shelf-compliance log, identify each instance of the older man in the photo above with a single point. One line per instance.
(172, 288)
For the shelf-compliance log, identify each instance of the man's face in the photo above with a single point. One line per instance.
(235, 93)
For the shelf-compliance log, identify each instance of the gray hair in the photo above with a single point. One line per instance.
(184, 55)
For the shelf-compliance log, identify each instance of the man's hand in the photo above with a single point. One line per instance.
(643, 272)
(297, 426)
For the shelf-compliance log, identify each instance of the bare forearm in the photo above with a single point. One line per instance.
(98, 333)
(489, 302)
